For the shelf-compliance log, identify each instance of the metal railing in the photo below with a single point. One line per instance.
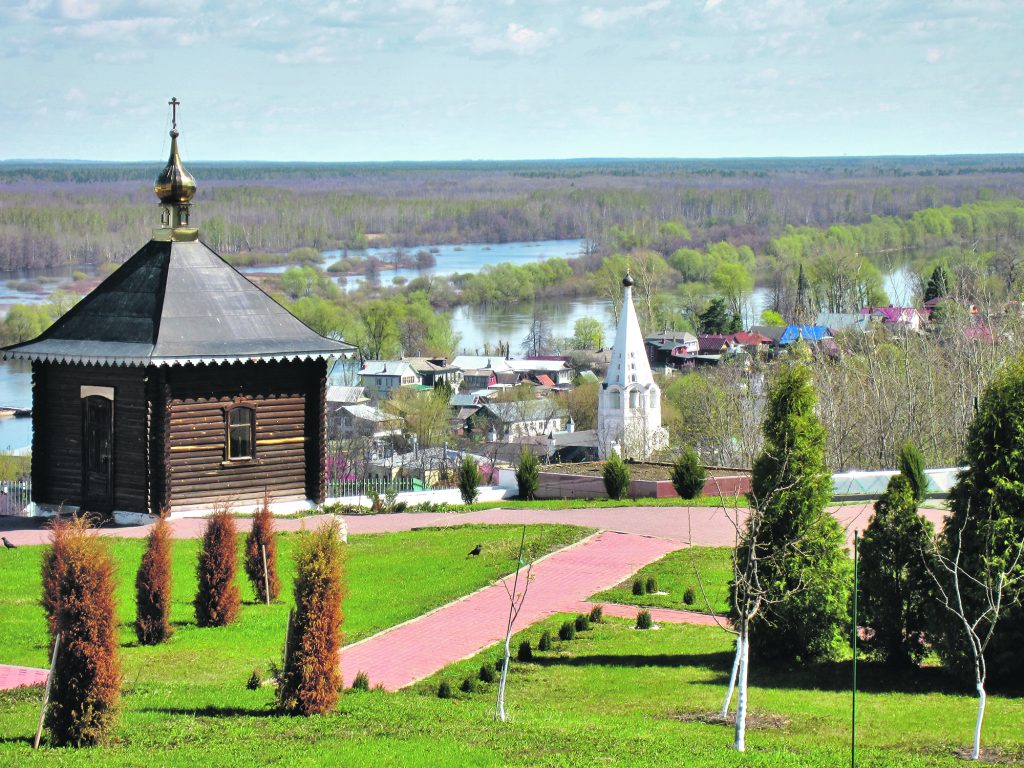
(15, 496)
(338, 488)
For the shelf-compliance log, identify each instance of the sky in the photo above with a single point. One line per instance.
(362, 80)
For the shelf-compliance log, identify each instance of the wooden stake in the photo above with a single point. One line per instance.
(46, 694)
(266, 576)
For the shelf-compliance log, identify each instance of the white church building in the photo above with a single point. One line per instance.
(629, 401)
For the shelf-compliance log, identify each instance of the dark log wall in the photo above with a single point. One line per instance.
(57, 433)
(287, 398)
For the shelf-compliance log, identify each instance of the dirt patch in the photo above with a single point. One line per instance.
(991, 756)
(756, 721)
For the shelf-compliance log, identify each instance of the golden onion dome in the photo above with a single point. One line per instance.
(175, 184)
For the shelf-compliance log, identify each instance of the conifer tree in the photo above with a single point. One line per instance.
(893, 578)
(800, 544)
(53, 564)
(262, 535)
(469, 479)
(911, 466)
(527, 474)
(938, 284)
(616, 477)
(153, 587)
(218, 599)
(986, 524)
(310, 681)
(85, 692)
(688, 474)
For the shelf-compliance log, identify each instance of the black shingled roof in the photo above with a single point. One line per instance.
(174, 303)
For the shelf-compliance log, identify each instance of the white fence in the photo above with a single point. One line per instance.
(873, 484)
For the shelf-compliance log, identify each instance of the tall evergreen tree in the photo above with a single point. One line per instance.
(800, 545)
(893, 578)
(803, 313)
(938, 284)
(986, 525)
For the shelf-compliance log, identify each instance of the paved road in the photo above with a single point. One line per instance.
(409, 652)
(708, 526)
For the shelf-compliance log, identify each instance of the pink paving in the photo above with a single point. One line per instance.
(708, 526)
(15, 677)
(404, 654)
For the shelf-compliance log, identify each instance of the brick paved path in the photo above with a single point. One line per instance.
(707, 526)
(15, 677)
(402, 655)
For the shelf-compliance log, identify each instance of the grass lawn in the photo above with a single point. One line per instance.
(674, 573)
(614, 696)
(390, 578)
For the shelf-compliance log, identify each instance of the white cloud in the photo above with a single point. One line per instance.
(315, 54)
(601, 18)
(933, 55)
(79, 9)
(711, 4)
(516, 39)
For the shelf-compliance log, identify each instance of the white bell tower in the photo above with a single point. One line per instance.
(629, 401)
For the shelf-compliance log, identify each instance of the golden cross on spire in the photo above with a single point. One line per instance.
(174, 103)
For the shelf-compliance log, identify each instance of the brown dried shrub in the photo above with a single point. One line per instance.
(153, 588)
(87, 677)
(311, 679)
(262, 535)
(53, 564)
(218, 600)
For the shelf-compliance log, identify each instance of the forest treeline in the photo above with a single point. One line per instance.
(65, 213)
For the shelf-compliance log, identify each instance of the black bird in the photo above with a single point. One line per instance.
(474, 551)
(15, 546)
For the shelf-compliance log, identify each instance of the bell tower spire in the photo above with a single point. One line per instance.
(175, 187)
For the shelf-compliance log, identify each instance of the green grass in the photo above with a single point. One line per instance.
(390, 578)
(674, 501)
(614, 696)
(675, 572)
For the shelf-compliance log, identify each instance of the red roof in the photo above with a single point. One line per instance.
(544, 380)
(751, 339)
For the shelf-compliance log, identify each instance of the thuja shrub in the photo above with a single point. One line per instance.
(361, 683)
(86, 691)
(651, 585)
(469, 479)
(689, 596)
(218, 600)
(638, 586)
(567, 631)
(582, 623)
(525, 651)
(544, 644)
(487, 674)
(311, 678)
(444, 690)
(53, 564)
(528, 474)
(597, 614)
(616, 477)
(688, 474)
(262, 535)
(468, 685)
(255, 680)
(644, 620)
(153, 588)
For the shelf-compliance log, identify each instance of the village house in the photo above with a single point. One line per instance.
(435, 370)
(548, 372)
(177, 385)
(382, 377)
(666, 348)
(904, 317)
(522, 418)
(363, 420)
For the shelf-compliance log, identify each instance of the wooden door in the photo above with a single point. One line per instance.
(97, 454)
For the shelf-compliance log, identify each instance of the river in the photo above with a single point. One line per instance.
(475, 325)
